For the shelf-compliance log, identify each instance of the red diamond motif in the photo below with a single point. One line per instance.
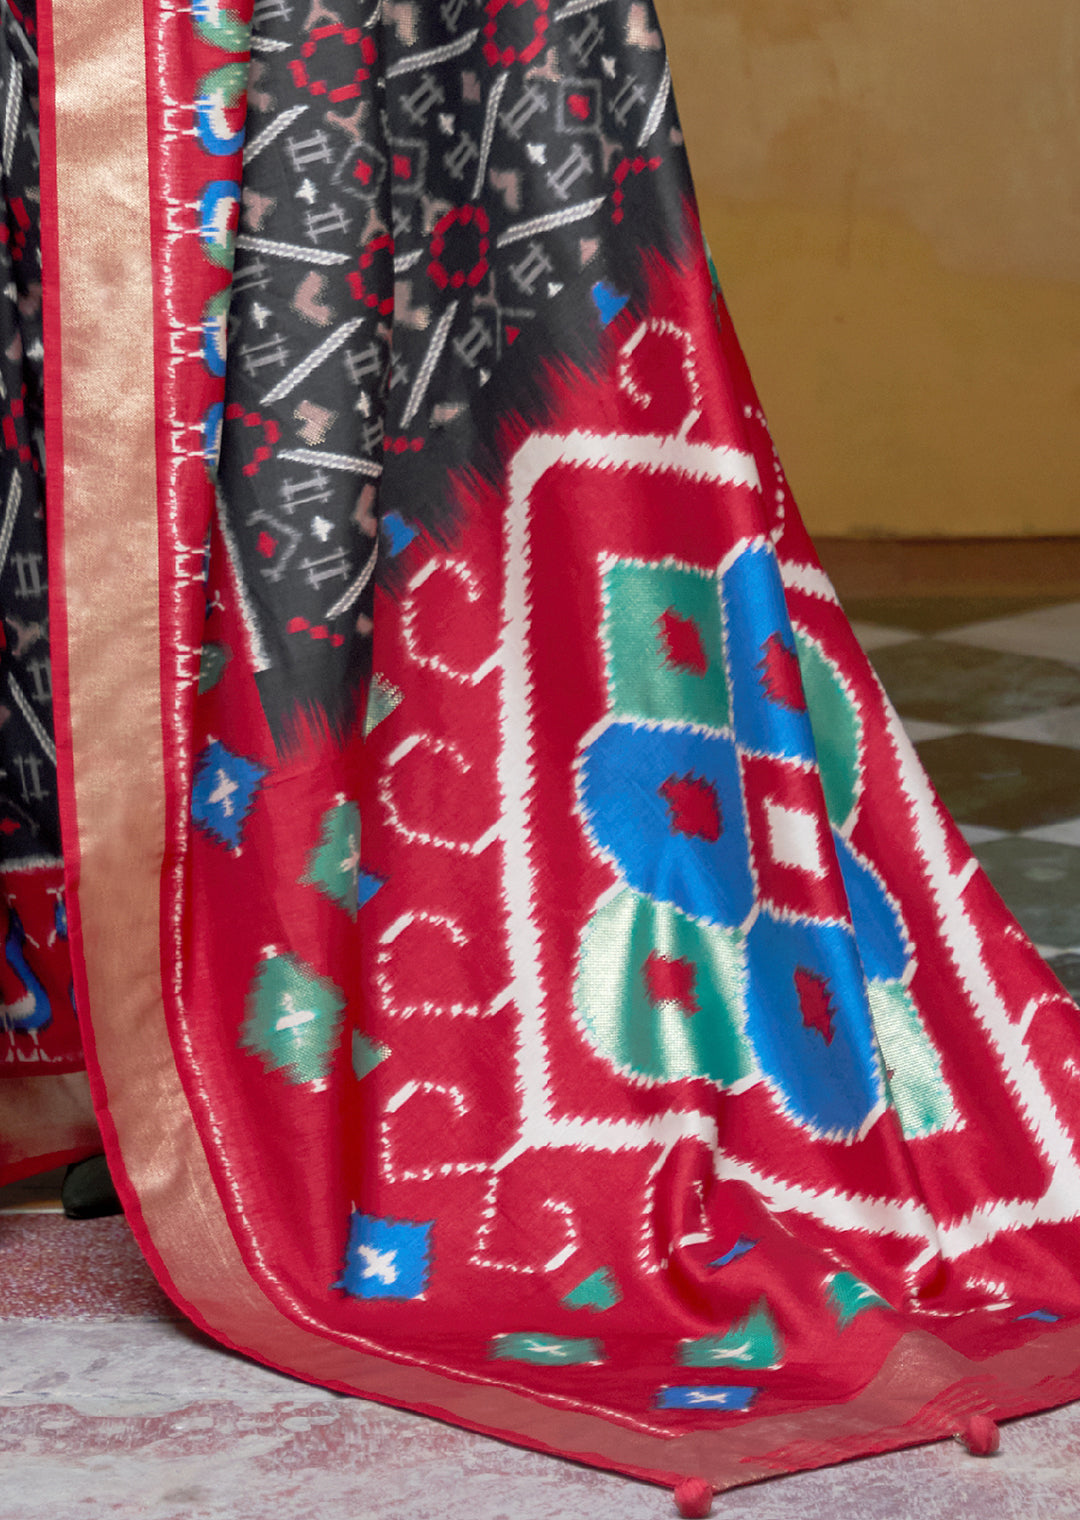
(694, 807)
(671, 981)
(682, 639)
(780, 674)
(815, 1002)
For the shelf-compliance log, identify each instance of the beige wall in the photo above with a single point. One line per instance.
(891, 189)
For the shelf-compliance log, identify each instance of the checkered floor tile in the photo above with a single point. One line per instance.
(989, 691)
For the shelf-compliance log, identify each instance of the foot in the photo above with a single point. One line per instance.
(87, 1191)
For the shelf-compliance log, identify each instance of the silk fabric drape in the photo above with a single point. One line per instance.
(543, 990)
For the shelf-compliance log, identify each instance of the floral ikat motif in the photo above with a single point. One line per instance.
(751, 941)
(603, 961)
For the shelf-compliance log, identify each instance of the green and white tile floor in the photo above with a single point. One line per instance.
(989, 691)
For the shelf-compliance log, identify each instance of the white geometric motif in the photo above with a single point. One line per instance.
(795, 839)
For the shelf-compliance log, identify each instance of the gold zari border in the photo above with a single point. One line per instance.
(103, 319)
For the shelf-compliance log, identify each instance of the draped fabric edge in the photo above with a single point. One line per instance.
(46, 1122)
(106, 363)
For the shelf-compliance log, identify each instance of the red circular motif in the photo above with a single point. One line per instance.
(271, 435)
(463, 216)
(626, 167)
(496, 54)
(350, 36)
(383, 305)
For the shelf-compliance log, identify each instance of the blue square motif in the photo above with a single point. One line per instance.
(712, 1397)
(386, 1258)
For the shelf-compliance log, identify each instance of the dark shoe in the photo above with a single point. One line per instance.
(87, 1191)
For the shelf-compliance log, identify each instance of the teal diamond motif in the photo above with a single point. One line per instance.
(334, 864)
(293, 1019)
(752, 1341)
(547, 1350)
(599, 1291)
(366, 1055)
(849, 1297)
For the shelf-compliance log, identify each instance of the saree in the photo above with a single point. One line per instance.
(523, 973)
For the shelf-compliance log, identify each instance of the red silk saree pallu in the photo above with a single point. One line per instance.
(524, 972)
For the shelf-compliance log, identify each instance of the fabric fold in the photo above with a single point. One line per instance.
(525, 973)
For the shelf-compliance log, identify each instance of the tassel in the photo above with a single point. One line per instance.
(693, 1499)
(980, 1435)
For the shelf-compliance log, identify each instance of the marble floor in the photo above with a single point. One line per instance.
(113, 1406)
(989, 690)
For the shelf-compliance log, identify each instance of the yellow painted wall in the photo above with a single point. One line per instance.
(891, 189)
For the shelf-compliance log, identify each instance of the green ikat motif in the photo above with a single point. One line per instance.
(383, 698)
(366, 1055)
(661, 996)
(849, 1297)
(598, 1292)
(547, 1350)
(213, 659)
(334, 866)
(837, 729)
(663, 637)
(913, 1077)
(221, 27)
(293, 1019)
(752, 1342)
